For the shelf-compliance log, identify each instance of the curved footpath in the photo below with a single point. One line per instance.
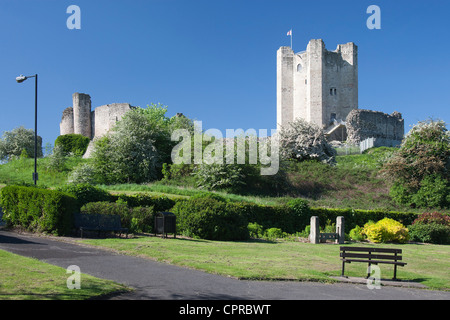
(154, 280)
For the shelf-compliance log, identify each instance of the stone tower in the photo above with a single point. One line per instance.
(317, 85)
(79, 119)
(82, 114)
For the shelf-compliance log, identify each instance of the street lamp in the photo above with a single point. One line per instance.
(21, 79)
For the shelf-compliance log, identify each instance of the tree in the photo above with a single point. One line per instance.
(15, 141)
(301, 140)
(420, 170)
(137, 147)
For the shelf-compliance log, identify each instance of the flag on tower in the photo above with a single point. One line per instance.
(290, 34)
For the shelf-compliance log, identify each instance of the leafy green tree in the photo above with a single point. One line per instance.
(420, 169)
(15, 141)
(137, 147)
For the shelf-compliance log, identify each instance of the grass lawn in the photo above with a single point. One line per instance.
(23, 278)
(287, 260)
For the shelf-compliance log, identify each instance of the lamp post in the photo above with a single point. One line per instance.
(21, 79)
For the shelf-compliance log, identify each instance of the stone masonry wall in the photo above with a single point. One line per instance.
(363, 124)
(66, 125)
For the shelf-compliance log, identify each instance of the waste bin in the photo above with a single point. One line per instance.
(166, 222)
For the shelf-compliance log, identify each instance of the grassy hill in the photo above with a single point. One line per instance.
(354, 182)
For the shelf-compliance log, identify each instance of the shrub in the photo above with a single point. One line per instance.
(433, 217)
(419, 170)
(357, 234)
(219, 176)
(300, 209)
(73, 144)
(86, 193)
(207, 218)
(38, 210)
(255, 230)
(301, 140)
(209, 195)
(431, 227)
(57, 160)
(386, 230)
(431, 233)
(433, 192)
(274, 233)
(160, 203)
(84, 173)
(354, 217)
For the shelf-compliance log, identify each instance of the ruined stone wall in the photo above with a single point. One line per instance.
(364, 124)
(105, 117)
(80, 119)
(66, 125)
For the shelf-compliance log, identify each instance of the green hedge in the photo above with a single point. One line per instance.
(73, 143)
(85, 193)
(355, 218)
(38, 210)
(160, 203)
(215, 219)
(208, 218)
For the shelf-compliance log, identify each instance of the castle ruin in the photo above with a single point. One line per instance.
(80, 119)
(321, 87)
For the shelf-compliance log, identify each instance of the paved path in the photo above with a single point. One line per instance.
(154, 280)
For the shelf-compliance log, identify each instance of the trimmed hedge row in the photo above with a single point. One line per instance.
(86, 193)
(218, 220)
(160, 203)
(355, 218)
(38, 210)
(208, 217)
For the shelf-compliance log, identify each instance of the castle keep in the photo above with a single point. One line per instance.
(321, 87)
(80, 119)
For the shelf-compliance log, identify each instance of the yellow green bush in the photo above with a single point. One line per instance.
(386, 230)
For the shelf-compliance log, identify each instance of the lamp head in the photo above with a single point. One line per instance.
(21, 78)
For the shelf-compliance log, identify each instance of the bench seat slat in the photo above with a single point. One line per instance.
(372, 256)
(375, 261)
(381, 250)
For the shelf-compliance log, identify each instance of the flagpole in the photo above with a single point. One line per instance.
(291, 39)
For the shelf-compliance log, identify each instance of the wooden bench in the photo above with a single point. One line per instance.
(99, 223)
(371, 256)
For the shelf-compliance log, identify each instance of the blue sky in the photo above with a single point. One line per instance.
(214, 60)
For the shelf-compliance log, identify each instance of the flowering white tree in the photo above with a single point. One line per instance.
(300, 140)
(14, 142)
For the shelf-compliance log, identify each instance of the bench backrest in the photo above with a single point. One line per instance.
(371, 253)
(95, 220)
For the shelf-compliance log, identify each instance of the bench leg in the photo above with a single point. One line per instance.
(343, 269)
(395, 272)
(368, 271)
